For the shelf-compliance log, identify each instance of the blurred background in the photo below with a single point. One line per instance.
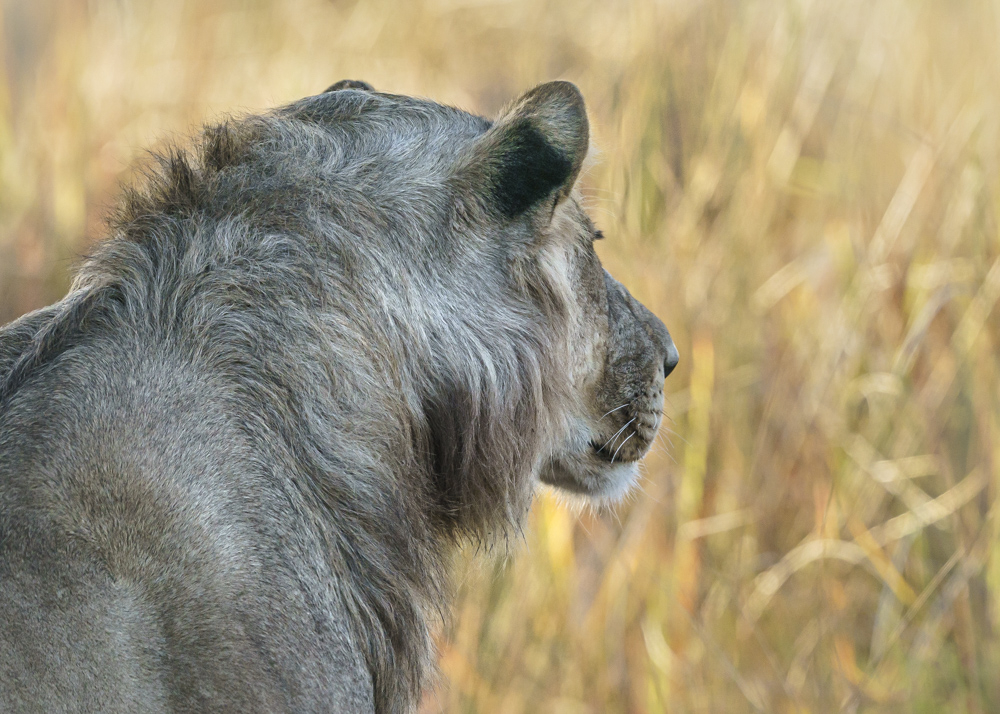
(807, 194)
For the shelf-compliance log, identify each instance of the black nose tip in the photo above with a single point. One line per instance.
(671, 360)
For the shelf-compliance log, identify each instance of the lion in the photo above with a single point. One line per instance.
(318, 352)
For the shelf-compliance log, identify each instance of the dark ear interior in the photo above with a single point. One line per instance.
(349, 84)
(533, 152)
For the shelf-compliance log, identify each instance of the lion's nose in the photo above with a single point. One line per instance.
(661, 340)
(671, 360)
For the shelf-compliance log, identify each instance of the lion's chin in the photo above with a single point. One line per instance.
(591, 476)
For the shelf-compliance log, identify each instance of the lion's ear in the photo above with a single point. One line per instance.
(534, 151)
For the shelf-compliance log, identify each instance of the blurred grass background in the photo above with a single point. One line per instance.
(806, 192)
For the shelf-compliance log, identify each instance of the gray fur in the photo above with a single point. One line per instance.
(312, 359)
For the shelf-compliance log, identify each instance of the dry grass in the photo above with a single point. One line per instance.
(806, 192)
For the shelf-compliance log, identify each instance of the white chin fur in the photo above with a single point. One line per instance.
(619, 480)
(587, 476)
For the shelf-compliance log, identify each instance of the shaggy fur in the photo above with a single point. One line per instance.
(316, 354)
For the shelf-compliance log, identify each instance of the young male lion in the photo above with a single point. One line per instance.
(312, 358)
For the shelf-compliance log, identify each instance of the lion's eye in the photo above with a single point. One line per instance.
(598, 235)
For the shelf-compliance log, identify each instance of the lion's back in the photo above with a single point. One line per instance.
(145, 563)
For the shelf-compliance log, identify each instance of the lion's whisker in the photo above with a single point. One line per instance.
(617, 433)
(620, 446)
(662, 435)
(659, 448)
(613, 410)
(667, 429)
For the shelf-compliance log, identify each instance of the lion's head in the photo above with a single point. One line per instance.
(499, 218)
(525, 360)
